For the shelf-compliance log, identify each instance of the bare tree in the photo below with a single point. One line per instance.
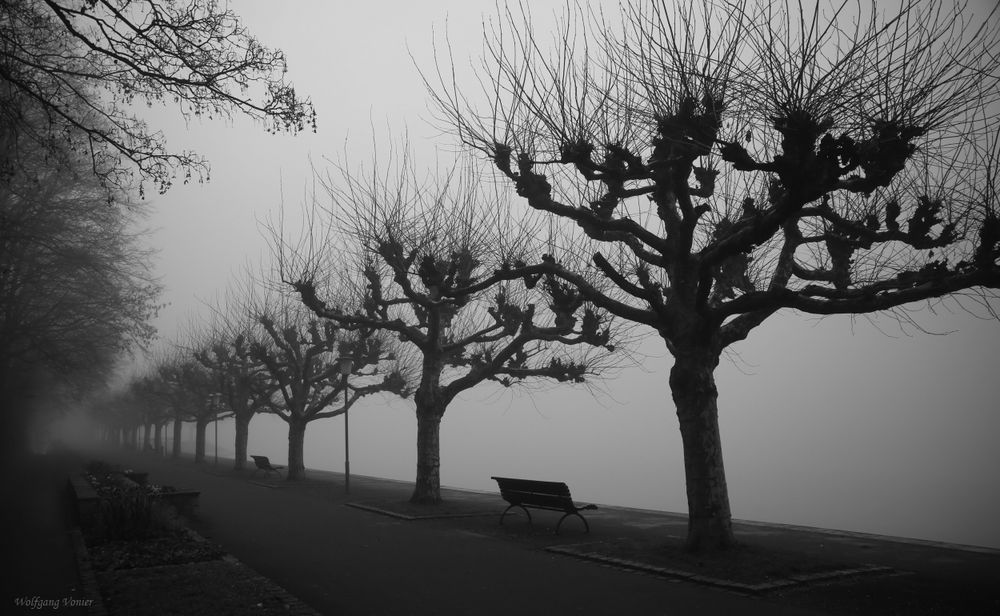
(733, 159)
(420, 256)
(302, 357)
(186, 385)
(154, 408)
(85, 65)
(244, 385)
(76, 289)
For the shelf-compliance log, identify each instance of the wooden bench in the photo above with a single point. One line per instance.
(263, 464)
(551, 495)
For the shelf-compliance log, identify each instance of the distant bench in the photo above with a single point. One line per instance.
(551, 495)
(263, 464)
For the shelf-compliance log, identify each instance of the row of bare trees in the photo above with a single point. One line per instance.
(253, 358)
(404, 278)
(76, 290)
(720, 162)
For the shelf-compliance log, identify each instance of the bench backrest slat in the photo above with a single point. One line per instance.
(545, 494)
(530, 485)
(261, 461)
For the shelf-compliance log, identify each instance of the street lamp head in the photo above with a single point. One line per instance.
(345, 364)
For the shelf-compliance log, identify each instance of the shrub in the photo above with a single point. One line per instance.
(125, 513)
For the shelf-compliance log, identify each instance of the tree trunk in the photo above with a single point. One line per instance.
(296, 444)
(692, 383)
(146, 433)
(242, 437)
(428, 486)
(158, 438)
(176, 454)
(200, 427)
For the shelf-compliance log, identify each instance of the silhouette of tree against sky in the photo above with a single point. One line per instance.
(185, 385)
(193, 385)
(301, 356)
(731, 160)
(90, 64)
(418, 256)
(76, 289)
(144, 392)
(243, 383)
(140, 417)
(118, 414)
(206, 397)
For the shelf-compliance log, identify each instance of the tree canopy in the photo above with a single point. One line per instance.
(87, 66)
(76, 287)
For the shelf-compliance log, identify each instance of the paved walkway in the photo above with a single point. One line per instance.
(37, 550)
(348, 560)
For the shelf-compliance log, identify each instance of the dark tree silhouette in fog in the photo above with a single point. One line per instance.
(76, 289)
(729, 160)
(186, 385)
(300, 354)
(244, 384)
(420, 256)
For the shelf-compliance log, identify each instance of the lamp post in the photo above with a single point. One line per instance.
(213, 405)
(344, 365)
(215, 402)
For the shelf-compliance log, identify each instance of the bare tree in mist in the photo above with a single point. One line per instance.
(421, 259)
(734, 159)
(245, 386)
(76, 289)
(302, 357)
(145, 391)
(206, 394)
(118, 414)
(185, 384)
(81, 68)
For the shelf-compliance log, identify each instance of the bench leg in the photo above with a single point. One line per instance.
(526, 512)
(585, 525)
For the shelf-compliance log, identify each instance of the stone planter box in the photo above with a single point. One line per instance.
(88, 500)
(139, 478)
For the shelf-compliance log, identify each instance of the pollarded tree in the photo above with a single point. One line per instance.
(206, 387)
(422, 256)
(244, 383)
(302, 357)
(88, 64)
(186, 385)
(730, 160)
(155, 408)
